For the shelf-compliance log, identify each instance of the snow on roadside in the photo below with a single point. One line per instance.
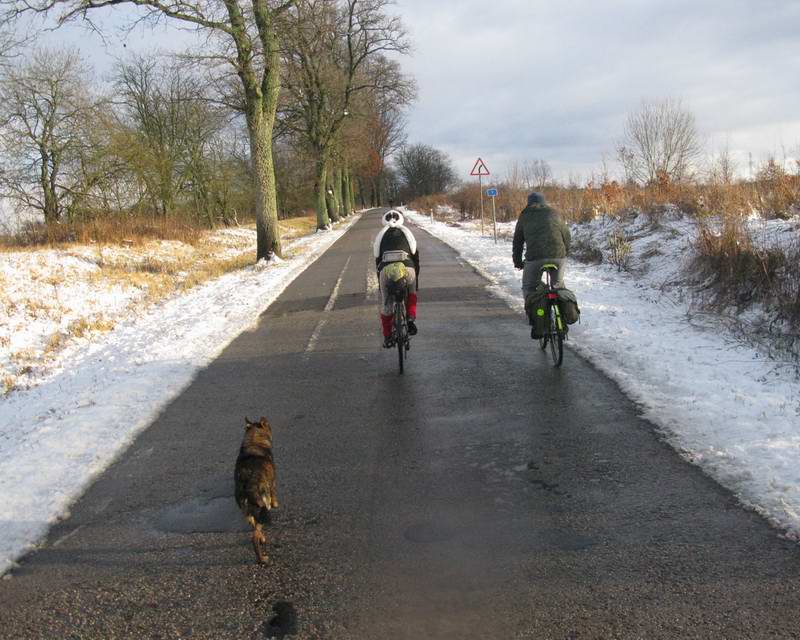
(719, 402)
(54, 300)
(105, 392)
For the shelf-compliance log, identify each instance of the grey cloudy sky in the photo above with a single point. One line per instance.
(554, 79)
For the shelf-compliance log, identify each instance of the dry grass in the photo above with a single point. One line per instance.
(83, 326)
(773, 193)
(8, 383)
(215, 268)
(735, 267)
(131, 255)
(738, 273)
(296, 227)
(115, 230)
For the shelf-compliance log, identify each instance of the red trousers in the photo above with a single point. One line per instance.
(411, 309)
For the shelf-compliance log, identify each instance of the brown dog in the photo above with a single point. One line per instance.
(254, 478)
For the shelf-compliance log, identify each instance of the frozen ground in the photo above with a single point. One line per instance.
(717, 401)
(87, 403)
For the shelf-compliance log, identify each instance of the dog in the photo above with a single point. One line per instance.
(254, 481)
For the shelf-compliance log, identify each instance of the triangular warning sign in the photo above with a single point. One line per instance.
(480, 169)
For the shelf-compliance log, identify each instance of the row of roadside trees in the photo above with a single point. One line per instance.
(291, 103)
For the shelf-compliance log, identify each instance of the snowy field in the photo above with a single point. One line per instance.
(88, 403)
(719, 402)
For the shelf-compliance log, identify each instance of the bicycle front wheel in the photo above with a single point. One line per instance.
(556, 337)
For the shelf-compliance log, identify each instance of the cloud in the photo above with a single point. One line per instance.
(539, 79)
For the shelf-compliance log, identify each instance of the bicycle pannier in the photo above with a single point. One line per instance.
(535, 305)
(568, 304)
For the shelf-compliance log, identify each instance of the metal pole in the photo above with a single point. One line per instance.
(480, 187)
(494, 219)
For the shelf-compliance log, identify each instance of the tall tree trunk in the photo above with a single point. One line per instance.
(373, 193)
(336, 187)
(48, 191)
(381, 190)
(330, 193)
(261, 103)
(361, 192)
(319, 186)
(268, 241)
(348, 202)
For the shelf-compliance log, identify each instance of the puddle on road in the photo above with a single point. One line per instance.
(213, 510)
(202, 515)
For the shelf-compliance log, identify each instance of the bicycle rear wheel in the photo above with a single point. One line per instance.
(556, 337)
(401, 333)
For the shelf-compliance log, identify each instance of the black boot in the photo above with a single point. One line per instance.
(412, 327)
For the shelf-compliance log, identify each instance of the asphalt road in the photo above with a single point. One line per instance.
(484, 494)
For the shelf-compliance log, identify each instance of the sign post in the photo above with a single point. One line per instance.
(492, 193)
(480, 169)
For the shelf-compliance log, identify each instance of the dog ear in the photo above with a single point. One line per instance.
(247, 422)
(263, 422)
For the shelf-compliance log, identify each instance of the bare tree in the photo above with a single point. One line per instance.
(44, 114)
(723, 167)
(242, 35)
(660, 141)
(384, 134)
(336, 51)
(424, 170)
(169, 126)
(7, 45)
(537, 174)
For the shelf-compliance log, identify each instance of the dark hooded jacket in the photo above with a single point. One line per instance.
(543, 234)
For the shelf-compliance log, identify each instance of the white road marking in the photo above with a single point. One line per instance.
(372, 281)
(312, 341)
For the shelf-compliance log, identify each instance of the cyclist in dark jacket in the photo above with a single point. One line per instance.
(546, 239)
(395, 243)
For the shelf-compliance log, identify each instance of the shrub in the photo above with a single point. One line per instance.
(426, 204)
(619, 250)
(735, 268)
(776, 192)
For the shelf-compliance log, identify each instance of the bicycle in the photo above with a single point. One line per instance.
(400, 335)
(556, 328)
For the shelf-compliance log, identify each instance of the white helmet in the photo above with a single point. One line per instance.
(393, 218)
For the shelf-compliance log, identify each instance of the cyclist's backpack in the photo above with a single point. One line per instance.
(568, 304)
(535, 308)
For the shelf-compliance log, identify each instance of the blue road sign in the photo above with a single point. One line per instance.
(492, 193)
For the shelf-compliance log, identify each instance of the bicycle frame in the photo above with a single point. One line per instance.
(400, 327)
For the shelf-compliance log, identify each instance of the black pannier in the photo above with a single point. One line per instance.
(568, 304)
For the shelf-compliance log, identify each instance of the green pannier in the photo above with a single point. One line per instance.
(535, 305)
(568, 304)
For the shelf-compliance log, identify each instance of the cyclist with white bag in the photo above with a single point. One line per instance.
(396, 258)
